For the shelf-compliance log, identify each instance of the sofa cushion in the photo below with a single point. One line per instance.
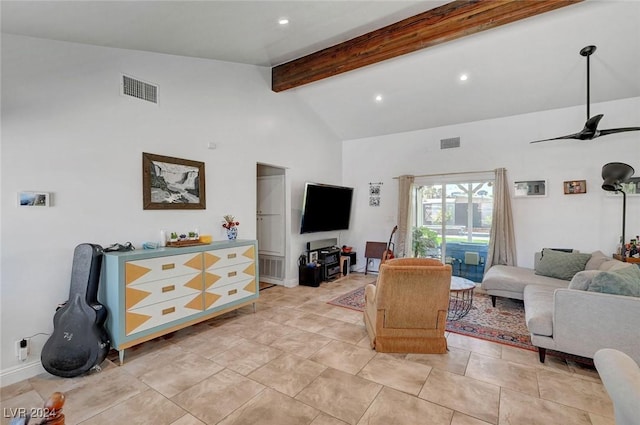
(561, 265)
(623, 281)
(611, 265)
(538, 309)
(510, 281)
(582, 280)
(596, 260)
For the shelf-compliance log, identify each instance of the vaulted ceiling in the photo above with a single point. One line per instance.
(525, 66)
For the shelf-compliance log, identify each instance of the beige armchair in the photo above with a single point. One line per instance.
(406, 311)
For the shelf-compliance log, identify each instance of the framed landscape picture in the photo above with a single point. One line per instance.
(172, 183)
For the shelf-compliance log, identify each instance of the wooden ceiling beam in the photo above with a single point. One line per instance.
(445, 23)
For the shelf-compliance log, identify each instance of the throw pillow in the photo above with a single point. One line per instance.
(596, 260)
(625, 281)
(582, 280)
(561, 265)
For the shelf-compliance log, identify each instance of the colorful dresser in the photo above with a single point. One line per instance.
(150, 293)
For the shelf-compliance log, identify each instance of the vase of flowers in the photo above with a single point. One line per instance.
(231, 225)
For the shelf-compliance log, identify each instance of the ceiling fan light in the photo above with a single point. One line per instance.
(614, 174)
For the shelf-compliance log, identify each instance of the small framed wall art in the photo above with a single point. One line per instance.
(530, 188)
(172, 183)
(573, 187)
(33, 199)
(374, 194)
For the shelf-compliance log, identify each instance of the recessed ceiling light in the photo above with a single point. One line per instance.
(283, 21)
(378, 98)
(464, 77)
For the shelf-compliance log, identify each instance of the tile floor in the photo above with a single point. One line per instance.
(300, 361)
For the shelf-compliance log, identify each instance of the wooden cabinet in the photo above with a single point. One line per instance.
(150, 293)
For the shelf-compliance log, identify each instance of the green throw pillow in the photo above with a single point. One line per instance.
(624, 281)
(561, 265)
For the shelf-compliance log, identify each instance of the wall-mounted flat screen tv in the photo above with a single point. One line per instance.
(325, 207)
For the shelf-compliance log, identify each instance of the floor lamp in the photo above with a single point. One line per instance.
(614, 174)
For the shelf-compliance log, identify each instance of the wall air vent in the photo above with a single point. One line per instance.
(453, 142)
(271, 267)
(139, 89)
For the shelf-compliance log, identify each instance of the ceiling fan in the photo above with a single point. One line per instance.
(590, 130)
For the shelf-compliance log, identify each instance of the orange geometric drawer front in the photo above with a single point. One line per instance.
(140, 319)
(161, 268)
(220, 295)
(147, 293)
(228, 257)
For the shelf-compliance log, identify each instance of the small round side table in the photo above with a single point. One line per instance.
(460, 298)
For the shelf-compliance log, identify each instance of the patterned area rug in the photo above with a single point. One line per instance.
(504, 324)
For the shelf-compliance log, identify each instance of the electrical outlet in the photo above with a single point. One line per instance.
(22, 349)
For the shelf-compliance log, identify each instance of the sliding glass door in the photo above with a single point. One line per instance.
(452, 221)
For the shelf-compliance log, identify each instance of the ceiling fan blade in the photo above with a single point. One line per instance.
(588, 132)
(617, 130)
(592, 123)
(577, 136)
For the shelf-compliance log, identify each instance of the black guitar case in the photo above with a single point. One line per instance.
(79, 341)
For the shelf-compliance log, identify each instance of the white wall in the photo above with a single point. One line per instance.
(588, 222)
(67, 130)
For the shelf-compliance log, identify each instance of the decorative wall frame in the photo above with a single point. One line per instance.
(374, 194)
(573, 187)
(33, 199)
(172, 183)
(631, 188)
(530, 188)
(313, 256)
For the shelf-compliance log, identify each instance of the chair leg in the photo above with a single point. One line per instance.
(493, 300)
(542, 353)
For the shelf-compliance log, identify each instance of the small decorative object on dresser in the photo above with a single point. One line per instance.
(231, 225)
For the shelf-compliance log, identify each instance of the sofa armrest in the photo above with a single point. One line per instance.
(584, 322)
(621, 377)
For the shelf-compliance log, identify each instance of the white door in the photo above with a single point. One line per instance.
(270, 216)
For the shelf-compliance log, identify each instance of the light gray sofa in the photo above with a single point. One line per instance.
(564, 316)
(510, 281)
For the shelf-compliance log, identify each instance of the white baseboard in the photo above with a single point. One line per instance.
(272, 281)
(20, 373)
(290, 283)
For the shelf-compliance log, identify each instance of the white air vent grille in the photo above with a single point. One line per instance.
(272, 267)
(453, 142)
(139, 89)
